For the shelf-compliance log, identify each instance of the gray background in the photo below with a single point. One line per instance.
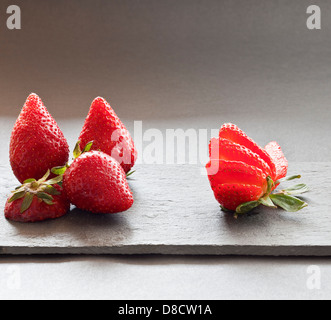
(203, 63)
(174, 64)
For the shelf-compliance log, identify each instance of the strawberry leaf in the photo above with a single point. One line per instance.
(287, 202)
(270, 185)
(77, 150)
(59, 170)
(27, 201)
(247, 207)
(55, 180)
(43, 195)
(88, 147)
(225, 209)
(49, 202)
(16, 196)
(45, 177)
(29, 181)
(52, 191)
(287, 179)
(296, 190)
(130, 173)
(266, 201)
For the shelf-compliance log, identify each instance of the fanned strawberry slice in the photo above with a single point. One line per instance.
(233, 172)
(278, 158)
(231, 132)
(243, 176)
(231, 196)
(222, 149)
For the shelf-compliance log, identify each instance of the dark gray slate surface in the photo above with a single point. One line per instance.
(175, 213)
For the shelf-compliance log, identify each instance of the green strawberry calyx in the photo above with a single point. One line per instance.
(76, 154)
(43, 189)
(286, 199)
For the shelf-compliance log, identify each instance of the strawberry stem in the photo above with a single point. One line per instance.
(130, 173)
(43, 189)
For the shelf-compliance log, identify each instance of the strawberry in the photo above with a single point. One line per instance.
(96, 182)
(243, 176)
(223, 149)
(236, 183)
(37, 201)
(278, 158)
(108, 133)
(233, 133)
(37, 143)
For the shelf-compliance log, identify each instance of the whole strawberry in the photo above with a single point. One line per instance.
(37, 201)
(243, 176)
(96, 182)
(109, 135)
(37, 143)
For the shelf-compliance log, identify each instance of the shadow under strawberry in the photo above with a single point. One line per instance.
(87, 227)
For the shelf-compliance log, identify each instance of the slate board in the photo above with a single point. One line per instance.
(175, 213)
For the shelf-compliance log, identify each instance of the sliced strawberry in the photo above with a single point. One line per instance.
(233, 133)
(231, 196)
(232, 172)
(222, 149)
(243, 176)
(278, 158)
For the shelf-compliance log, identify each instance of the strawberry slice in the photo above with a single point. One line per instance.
(236, 182)
(233, 133)
(278, 158)
(223, 149)
(231, 196)
(232, 172)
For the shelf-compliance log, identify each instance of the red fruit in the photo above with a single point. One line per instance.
(231, 196)
(37, 144)
(233, 133)
(109, 135)
(222, 149)
(96, 182)
(278, 158)
(243, 176)
(37, 201)
(236, 182)
(233, 172)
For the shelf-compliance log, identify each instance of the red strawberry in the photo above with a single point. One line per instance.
(96, 182)
(37, 144)
(231, 196)
(243, 175)
(278, 158)
(236, 183)
(37, 201)
(233, 133)
(109, 135)
(222, 149)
